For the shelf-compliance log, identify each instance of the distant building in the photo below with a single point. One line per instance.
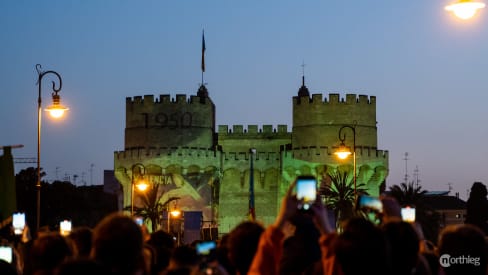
(451, 208)
(113, 187)
(174, 141)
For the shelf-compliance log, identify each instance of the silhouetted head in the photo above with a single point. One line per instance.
(463, 250)
(361, 248)
(242, 245)
(478, 190)
(404, 246)
(48, 251)
(117, 244)
(81, 238)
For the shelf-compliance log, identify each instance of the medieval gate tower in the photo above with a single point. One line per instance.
(174, 141)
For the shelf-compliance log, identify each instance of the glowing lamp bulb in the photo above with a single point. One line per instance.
(142, 186)
(56, 110)
(175, 213)
(343, 152)
(465, 9)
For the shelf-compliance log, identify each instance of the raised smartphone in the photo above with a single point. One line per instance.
(306, 190)
(370, 203)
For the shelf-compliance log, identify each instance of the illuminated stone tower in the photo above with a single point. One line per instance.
(210, 171)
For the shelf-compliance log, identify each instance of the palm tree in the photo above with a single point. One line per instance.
(152, 206)
(408, 194)
(413, 195)
(339, 194)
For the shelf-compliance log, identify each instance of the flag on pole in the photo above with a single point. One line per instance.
(203, 51)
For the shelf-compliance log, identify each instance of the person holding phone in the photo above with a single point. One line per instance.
(270, 248)
(340, 254)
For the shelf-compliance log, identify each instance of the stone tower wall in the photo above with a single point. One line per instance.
(316, 121)
(169, 122)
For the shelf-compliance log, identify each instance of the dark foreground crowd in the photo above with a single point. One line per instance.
(298, 242)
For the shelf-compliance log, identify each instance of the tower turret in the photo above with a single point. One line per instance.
(170, 122)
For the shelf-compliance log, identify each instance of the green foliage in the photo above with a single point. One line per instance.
(412, 195)
(152, 206)
(338, 190)
(83, 205)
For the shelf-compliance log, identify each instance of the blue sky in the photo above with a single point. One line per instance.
(426, 68)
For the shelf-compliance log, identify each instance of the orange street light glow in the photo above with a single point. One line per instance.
(175, 213)
(56, 110)
(343, 152)
(142, 186)
(465, 9)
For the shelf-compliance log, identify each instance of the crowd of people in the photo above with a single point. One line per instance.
(298, 242)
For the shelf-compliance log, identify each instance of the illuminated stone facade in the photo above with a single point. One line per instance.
(209, 168)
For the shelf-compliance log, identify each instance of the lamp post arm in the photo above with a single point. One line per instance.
(342, 138)
(41, 74)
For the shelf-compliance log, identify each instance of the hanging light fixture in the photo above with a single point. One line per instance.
(56, 110)
(465, 9)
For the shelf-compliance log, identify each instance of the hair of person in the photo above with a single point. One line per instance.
(242, 245)
(117, 244)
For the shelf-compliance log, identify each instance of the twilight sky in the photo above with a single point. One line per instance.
(426, 68)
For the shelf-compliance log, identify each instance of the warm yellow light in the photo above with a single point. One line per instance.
(56, 110)
(343, 152)
(465, 9)
(65, 227)
(175, 213)
(142, 186)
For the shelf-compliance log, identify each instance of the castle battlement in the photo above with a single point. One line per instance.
(260, 156)
(361, 151)
(154, 152)
(164, 99)
(335, 99)
(252, 130)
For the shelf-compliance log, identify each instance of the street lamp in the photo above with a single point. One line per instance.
(465, 9)
(343, 151)
(56, 110)
(175, 213)
(141, 184)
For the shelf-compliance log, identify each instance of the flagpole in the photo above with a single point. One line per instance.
(203, 54)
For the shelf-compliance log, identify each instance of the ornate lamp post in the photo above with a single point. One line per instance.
(56, 110)
(141, 184)
(343, 151)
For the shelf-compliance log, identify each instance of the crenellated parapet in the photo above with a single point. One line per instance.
(316, 120)
(166, 152)
(324, 154)
(335, 99)
(252, 131)
(169, 122)
(148, 101)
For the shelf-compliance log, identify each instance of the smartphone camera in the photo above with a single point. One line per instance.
(18, 223)
(306, 190)
(139, 221)
(6, 253)
(369, 203)
(408, 214)
(206, 252)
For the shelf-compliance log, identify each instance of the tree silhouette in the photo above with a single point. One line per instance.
(338, 190)
(414, 196)
(152, 206)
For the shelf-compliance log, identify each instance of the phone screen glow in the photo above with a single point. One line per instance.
(6, 253)
(307, 190)
(18, 222)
